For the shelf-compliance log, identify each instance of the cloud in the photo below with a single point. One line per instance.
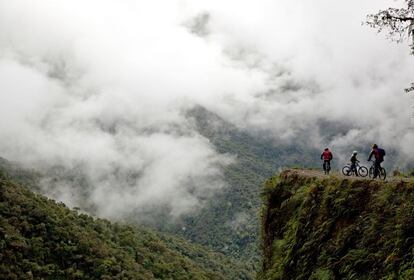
(100, 89)
(199, 24)
(321, 65)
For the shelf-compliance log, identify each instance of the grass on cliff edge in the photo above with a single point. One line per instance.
(334, 228)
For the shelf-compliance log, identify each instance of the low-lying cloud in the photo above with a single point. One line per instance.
(101, 89)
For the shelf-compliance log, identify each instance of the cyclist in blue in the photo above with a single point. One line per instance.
(354, 161)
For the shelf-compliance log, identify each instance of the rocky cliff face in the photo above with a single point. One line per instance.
(316, 227)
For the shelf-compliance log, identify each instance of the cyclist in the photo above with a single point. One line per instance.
(354, 161)
(327, 157)
(378, 154)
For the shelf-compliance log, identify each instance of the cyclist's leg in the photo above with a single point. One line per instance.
(351, 169)
(328, 165)
(377, 168)
(355, 169)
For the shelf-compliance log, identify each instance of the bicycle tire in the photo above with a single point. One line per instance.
(382, 174)
(346, 170)
(363, 171)
(371, 172)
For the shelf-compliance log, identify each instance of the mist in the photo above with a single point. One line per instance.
(100, 89)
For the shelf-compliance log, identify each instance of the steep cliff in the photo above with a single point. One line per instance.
(316, 227)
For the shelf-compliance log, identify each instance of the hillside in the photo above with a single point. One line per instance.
(42, 239)
(317, 227)
(229, 223)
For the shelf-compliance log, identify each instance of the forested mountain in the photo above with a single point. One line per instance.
(229, 222)
(43, 239)
(137, 139)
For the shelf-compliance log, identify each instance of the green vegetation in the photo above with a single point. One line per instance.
(19, 175)
(332, 228)
(229, 223)
(42, 239)
(398, 173)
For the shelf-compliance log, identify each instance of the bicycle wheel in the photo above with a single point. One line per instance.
(363, 171)
(346, 170)
(371, 172)
(382, 174)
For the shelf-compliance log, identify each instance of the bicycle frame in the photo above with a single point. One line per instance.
(381, 172)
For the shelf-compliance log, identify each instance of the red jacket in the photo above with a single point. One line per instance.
(327, 155)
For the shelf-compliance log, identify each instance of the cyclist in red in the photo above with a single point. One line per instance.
(326, 156)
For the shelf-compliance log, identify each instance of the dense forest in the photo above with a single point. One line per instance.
(229, 223)
(43, 239)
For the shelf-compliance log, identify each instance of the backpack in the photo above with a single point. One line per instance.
(381, 152)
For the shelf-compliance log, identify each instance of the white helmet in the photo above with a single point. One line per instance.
(355, 153)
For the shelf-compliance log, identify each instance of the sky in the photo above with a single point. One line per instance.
(101, 88)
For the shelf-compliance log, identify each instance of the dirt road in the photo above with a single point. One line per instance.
(314, 173)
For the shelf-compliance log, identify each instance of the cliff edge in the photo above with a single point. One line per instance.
(332, 227)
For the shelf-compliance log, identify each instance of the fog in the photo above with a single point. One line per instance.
(101, 89)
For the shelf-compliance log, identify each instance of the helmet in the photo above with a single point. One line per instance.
(374, 146)
(355, 153)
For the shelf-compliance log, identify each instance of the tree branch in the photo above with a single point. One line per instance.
(389, 16)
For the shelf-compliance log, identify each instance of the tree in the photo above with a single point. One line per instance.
(398, 23)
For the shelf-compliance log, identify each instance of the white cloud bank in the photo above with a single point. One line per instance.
(101, 87)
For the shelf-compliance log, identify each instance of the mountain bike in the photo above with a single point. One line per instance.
(359, 170)
(382, 174)
(326, 166)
